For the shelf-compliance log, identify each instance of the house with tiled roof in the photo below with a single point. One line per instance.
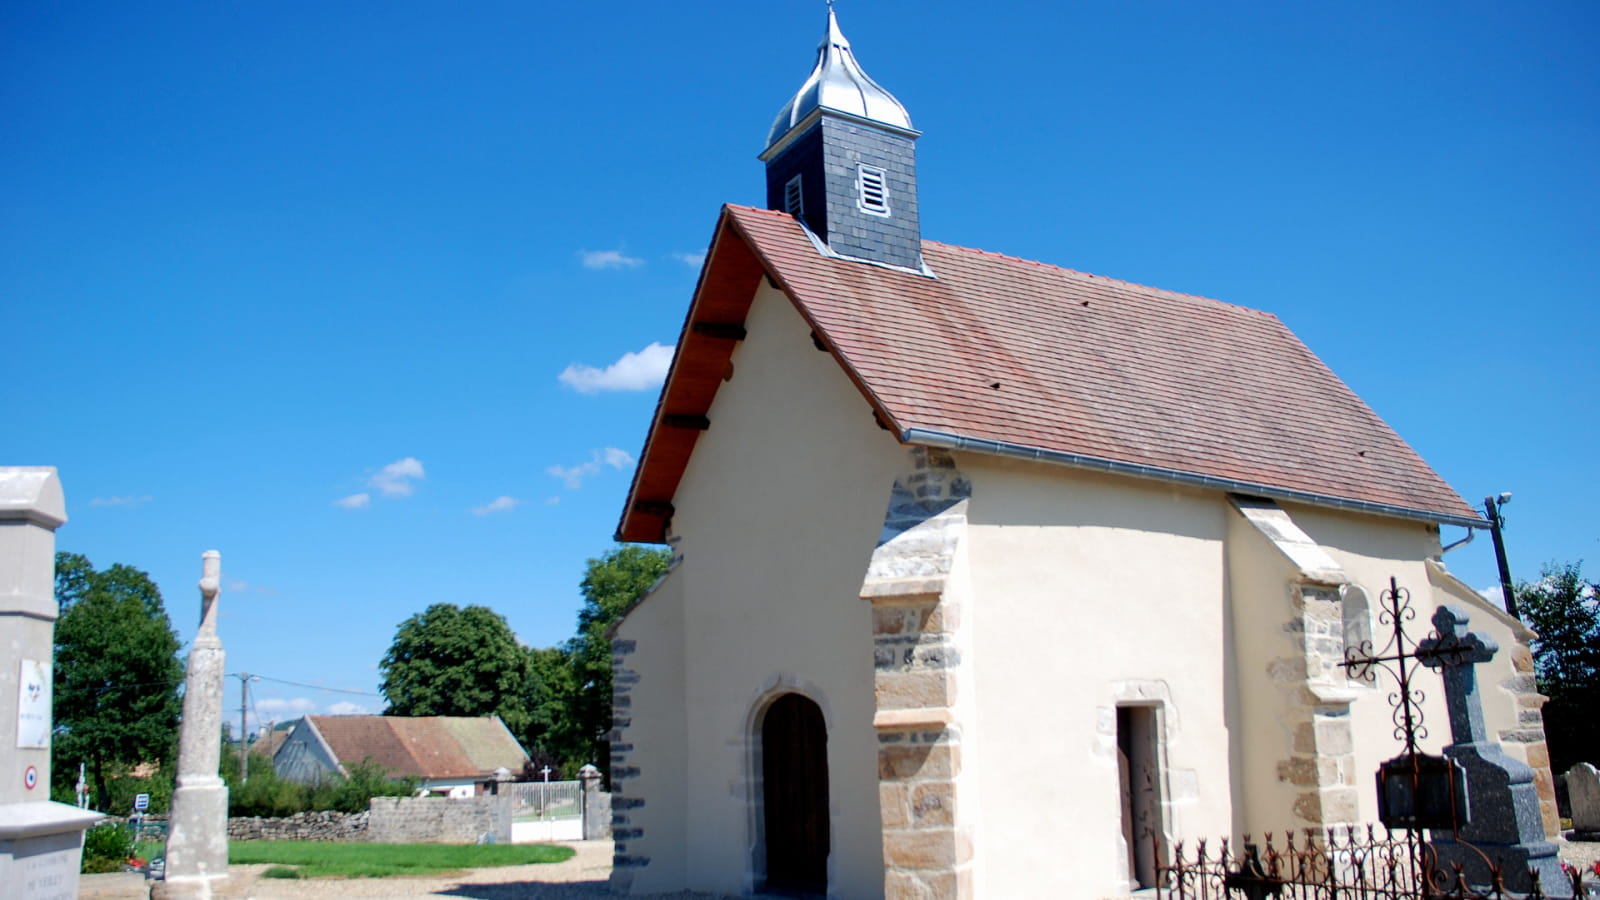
(993, 578)
(449, 755)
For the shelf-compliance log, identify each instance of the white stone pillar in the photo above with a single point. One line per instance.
(197, 838)
(41, 842)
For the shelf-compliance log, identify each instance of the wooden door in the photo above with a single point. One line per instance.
(794, 772)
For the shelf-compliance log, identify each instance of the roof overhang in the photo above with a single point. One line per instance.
(713, 328)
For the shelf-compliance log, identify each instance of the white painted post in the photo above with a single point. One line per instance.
(41, 842)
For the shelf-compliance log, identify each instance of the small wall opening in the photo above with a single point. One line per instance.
(1357, 615)
(796, 836)
(1140, 777)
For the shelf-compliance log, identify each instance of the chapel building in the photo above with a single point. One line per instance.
(993, 578)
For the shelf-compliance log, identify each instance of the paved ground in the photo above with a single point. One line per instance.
(583, 877)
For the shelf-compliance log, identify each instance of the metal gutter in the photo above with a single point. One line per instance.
(949, 441)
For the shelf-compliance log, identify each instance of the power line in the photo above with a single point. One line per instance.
(317, 687)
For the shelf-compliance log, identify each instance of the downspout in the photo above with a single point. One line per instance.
(1471, 533)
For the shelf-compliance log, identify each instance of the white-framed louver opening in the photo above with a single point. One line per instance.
(793, 200)
(872, 190)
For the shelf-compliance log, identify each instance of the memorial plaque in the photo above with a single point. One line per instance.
(33, 705)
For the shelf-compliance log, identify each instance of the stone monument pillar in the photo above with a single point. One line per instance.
(596, 805)
(41, 842)
(197, 839)
(1506, 826)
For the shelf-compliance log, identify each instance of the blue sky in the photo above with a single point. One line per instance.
(300, 282)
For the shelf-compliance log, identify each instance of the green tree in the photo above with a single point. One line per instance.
(454, 661)
(1564, 608)
(116, 673)
(550, 738)
(611, 584)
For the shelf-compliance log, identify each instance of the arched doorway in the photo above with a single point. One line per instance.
(794, 792)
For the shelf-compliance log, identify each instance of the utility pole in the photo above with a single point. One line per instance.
(244, 738)
(1497, 521)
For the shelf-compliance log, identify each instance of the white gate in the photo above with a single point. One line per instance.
(545, 811)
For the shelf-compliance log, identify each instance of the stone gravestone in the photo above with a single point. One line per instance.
(1583, 795)
(1506, 826)
(41, 842)
(197, 839)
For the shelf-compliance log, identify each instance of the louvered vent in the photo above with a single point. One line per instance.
(873, 191)
(793, 202)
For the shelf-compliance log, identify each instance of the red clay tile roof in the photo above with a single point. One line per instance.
(1008, 355)
(423, 746)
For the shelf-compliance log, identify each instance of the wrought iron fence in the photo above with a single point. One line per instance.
(1417, 793)
(1370, 863)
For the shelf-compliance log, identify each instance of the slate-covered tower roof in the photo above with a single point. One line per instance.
(841, 158)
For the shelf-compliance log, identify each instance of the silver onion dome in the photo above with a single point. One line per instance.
(838, 83)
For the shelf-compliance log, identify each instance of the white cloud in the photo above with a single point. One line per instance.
(277, 709)
(394, 480)
(498, 504)
(121, 501)
(608, 259)
(573, 476)
(354, 501)
(640, 371)
(346, 708)
(1493, 594)
(553, 501)
(695, 260)
(235, 585)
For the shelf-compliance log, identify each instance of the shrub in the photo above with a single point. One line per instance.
(105, 847)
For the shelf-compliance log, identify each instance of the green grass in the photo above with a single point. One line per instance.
(319, 859)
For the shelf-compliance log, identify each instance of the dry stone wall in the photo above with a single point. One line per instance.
(306, 826)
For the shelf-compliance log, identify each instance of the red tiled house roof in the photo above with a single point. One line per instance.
(1004, 355)
(425, 746)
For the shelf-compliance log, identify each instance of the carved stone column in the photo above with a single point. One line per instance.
(197, 843)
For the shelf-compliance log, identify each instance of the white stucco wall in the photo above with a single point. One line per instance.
(1089, 591)
(779, 511)
(656, 723)
(1083, 590)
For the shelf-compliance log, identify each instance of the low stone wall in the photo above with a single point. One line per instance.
(306, 826)
(438, 820)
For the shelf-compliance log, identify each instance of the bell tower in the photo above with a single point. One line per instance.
(841, 158)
